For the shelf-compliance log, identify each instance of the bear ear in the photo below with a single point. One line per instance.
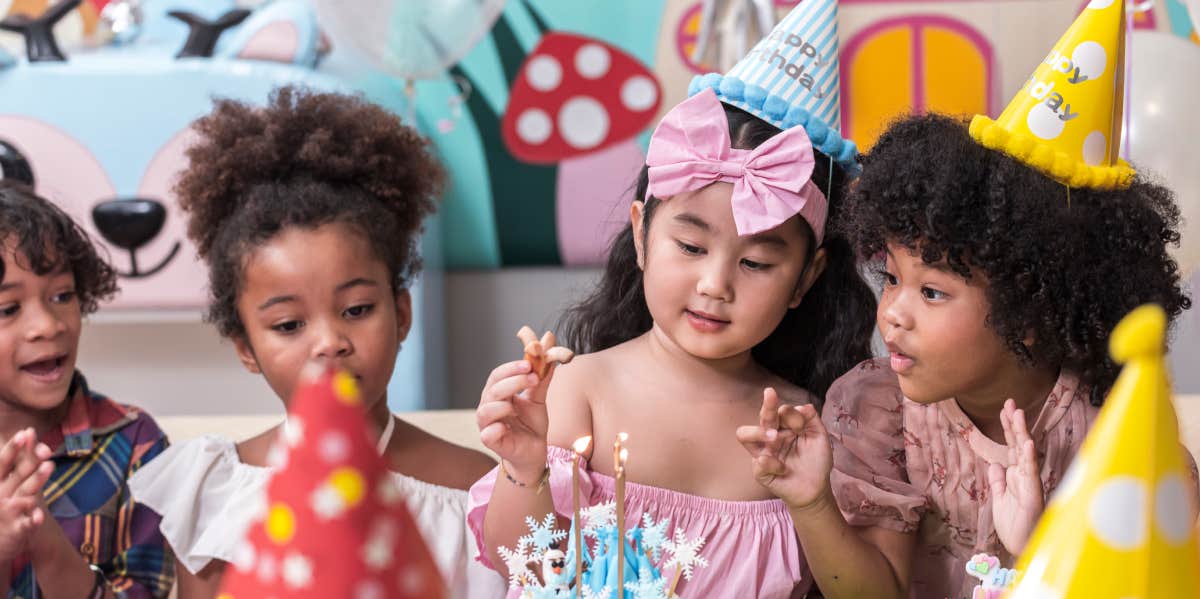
(283, 31)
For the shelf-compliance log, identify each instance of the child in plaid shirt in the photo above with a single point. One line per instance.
(68, 524)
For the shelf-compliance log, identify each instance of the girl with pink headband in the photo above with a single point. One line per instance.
(727, 286)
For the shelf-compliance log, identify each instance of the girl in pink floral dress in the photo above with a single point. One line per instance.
(998, 298)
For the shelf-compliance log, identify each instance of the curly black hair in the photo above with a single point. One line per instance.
(50, 240)
(1064, 264)
(307, 159)
(815, 343)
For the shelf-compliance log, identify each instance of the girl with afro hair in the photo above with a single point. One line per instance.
(999, 293)
(307, 213)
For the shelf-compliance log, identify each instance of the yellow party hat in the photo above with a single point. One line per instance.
(1120, 524)
(1066, 121)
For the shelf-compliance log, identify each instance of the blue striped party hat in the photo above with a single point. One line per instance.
(790, 79)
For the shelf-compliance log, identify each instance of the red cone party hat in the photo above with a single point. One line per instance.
(334, 524)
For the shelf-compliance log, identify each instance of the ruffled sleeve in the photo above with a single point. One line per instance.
(559, 486)
(206, 496)
(864, 414)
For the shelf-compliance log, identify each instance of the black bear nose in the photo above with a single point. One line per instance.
(129, 223)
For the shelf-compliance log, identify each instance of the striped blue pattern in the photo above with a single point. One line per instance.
(799, 54)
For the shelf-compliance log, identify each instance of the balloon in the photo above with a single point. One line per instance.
(411, 39)
(1194, 9)
(1164, 125)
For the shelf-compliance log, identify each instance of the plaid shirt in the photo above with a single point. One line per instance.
(97, 447)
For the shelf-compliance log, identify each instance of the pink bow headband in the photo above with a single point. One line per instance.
(690, 150)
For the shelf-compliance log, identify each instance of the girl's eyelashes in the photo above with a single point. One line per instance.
(288, 327)
(886, 278)
(689, 249)
(64, 297)
(359, 311)
(9, 310)
(933, 295)
(755, 265)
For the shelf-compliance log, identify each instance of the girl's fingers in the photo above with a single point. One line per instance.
(1006, 422)
(768, 415)
(802, 420)
(32, 485)
(492, 412)
(506, 389)
(493, 435)
(1029, 465)
(507, 370)
(765, 465)
(996, 480)
(1020, 428)
(753, 438)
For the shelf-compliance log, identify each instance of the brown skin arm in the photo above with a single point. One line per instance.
(202, 585)
(839, 554)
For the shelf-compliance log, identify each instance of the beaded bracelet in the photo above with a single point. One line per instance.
(541, 483)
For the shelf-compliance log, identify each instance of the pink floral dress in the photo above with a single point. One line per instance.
(890, 469)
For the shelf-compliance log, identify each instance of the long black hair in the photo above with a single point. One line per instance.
(816, 342)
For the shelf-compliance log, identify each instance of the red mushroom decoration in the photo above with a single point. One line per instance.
(334, 524)
(575, 95)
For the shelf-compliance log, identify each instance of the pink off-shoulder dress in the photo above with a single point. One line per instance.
(750, 546)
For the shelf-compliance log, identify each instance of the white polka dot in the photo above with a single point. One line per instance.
(1090, 58)
(1071, 481)
(334, 447)
(1171, 511)
(369, 589)
(639, 93)
(1044, 122)
(534, 126)
(583, 122)
(1095, 148)
(544, 73)
(1100, 4)
(266, 569)
(1117, 513)
(297, 571)
(412, 580)
(592, 61)
(243, 556)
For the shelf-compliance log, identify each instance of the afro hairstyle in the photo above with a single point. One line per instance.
(1063, 264)
(304, 160)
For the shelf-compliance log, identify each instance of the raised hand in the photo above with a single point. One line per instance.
(1017, 495)
(24, 470)
(512, 416)
(791, 451)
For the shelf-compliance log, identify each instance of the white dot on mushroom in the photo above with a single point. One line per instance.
(592, 61)
(544, 73)
(639, 93)
(583, 122)
(534, 126)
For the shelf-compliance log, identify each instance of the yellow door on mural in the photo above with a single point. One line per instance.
(915, 63)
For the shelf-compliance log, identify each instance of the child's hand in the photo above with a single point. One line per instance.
(792, 455)
(24, 470)
(1017, 500)
(512, 418)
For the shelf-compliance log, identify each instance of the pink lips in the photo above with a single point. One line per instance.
(705, 323)
(48, 370)
(900, 362)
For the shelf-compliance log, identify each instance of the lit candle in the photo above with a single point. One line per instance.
(580, 446)
(621, 455)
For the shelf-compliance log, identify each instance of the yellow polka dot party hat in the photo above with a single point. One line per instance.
(1120, 524)
(1066, 120)
(333, 523)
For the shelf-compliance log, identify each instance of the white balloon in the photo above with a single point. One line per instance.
(411, 39)
(1194, 9)
(1164, 124)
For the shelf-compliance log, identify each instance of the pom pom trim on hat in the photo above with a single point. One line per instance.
(1052, 162)
(775, 110)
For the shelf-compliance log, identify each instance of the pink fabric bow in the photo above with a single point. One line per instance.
(690, 149)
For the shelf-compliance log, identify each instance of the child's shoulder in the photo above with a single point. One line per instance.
(435, 460)
(871, 385)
